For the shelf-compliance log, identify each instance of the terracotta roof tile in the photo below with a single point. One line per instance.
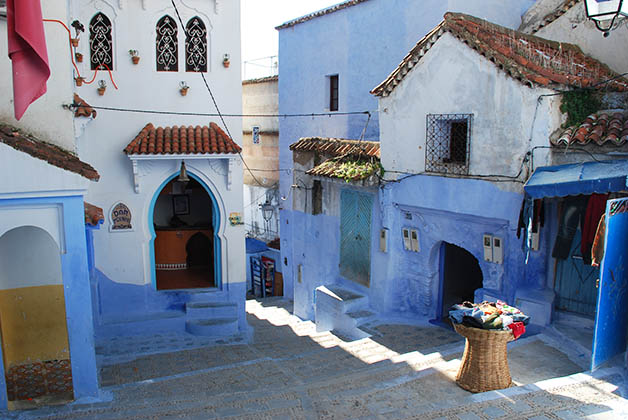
(52, 154)
(319, 13)
(336, 147)
(599, 128)
(82, 108)
(261, 80)
(181, 140)
(93, 214)
(527, 58)
(558, 11)
(342, 168)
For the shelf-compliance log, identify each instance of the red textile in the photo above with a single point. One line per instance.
(595, 209)
(517, 329)
(27, 50)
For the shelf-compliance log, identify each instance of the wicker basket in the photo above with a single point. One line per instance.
(484, 365)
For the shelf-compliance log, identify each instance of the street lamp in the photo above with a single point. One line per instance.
(267, 210)
(604, 13)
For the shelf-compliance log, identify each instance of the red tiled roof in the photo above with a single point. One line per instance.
(323, 12)
(52, 154)
(181, 141)
(602, 127)
(93, 214)
(558, 11)
(82, 108)
(261, 80)
(527, 58)
(336, 147)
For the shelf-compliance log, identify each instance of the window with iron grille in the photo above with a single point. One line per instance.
(333, 92)
(447, 143)
(167, 50)
(195, 45)
(100, 43)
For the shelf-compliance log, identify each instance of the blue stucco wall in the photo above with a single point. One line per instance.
(362, 44)
(76, 286)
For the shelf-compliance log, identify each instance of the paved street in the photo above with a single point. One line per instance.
(288, 370)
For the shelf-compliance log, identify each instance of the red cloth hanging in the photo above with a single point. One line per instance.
(595, 209)
(27, 51)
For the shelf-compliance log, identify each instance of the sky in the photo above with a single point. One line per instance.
(259, 37)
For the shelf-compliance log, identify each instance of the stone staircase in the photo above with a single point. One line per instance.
(342, 311)
(217, 319)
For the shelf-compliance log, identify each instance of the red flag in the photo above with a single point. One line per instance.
(27, 50)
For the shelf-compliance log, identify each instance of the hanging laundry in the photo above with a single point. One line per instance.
(595, 209)
(531, 215)
(573, 209)
(597, 250)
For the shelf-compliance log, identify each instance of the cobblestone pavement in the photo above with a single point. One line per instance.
(290, 371)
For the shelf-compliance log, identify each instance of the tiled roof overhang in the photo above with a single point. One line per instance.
(602, 127)
(260, 80)
(182, 141)
(531, 60)
(54, 155)
(319, 13)
(93, 214)
(336, 147)
(82, 108)
(562, 8)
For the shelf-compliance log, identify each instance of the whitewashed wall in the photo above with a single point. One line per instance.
(45, 118)
(453, 78)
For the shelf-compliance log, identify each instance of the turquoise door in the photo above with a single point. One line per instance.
(575, 284)
(355, 236)
(611, 320)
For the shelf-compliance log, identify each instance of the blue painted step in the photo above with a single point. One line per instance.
(206, 310)
(216, 327)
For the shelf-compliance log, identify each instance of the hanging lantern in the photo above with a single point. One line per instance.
(604, 13)
(267, 210)
(183, 174)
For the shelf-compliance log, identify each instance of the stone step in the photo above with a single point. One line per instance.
(215, 327)
(207, 310)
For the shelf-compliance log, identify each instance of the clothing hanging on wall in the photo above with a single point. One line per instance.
(531, 216)
(597, 250)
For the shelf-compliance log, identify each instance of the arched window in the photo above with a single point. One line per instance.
(195, 45)
(166, 45)
(100, 44)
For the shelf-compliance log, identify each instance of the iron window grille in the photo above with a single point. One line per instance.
(447, 143)
(100, 43)
(167, 50)
(195, 46)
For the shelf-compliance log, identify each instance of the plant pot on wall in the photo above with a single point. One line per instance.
(79, 81)
(135, 58)
(74, 42)
(225, 61)
(102, 87)
(183, 88)
(79, 57)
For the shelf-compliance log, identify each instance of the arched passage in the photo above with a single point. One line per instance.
(33, 323)
(186, 247)
(460, 276)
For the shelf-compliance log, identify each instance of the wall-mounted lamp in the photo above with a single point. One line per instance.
(183, 174)
(604, 13)
(267, 210)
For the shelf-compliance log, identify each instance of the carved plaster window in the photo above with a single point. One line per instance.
(100, 43)
(166, 45)
(195, 45)
(447, 143)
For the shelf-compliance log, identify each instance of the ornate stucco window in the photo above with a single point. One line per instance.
(100, 42)
(166, 45)
(195, 45)
(447, 143)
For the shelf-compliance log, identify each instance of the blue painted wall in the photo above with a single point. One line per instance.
(76, 285)
(362, 44)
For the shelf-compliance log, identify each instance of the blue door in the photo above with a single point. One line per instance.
(611, 321)
(355, 236)
(575, 284)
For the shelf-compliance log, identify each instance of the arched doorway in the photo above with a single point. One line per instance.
(35, 346)
(461, 275)
(186, 247)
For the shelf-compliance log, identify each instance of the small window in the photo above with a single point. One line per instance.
(166, 45)
(333, 93)
(317, 198)
(447, 143)
(195, 45)
(100, 43)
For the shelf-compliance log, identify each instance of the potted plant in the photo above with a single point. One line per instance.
(225, 61)
(134, 56)
(79, 57)
(78, 28)
(183, 88)
(79, 81)
(102, 86)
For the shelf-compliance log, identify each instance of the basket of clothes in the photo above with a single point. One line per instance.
(487, 328)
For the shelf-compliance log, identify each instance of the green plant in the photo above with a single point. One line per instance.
(578, 105)
(354, 170)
